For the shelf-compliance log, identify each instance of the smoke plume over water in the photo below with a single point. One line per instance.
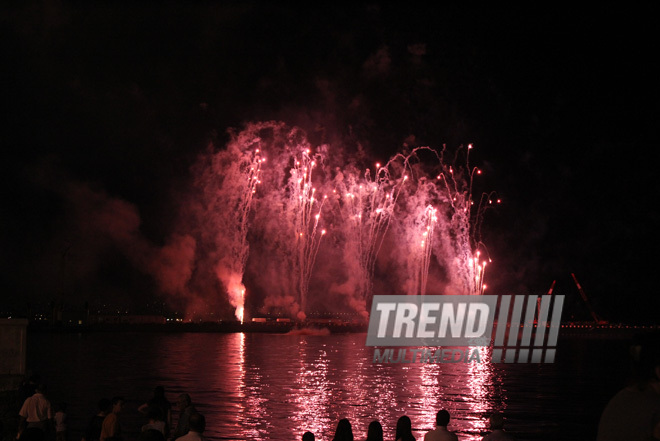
(272, 224)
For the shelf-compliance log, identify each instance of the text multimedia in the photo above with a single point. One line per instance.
(427, 355)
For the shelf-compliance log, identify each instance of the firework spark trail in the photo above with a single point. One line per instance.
(285, 227)
(366, 205)
(415, 219)
(436, 218)
(414, 222)
(236, 174)
(303, 201)
(427, 247)
(382, 208)
(251, 167)
(459, 233)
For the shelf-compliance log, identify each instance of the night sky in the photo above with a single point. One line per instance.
(561, 106)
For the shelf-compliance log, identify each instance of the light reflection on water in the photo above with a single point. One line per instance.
(269, 386)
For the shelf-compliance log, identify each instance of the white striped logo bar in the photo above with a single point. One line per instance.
(518, 334)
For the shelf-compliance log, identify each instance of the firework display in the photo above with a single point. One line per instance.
(309, 227)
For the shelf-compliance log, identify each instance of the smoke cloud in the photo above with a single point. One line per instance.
(300, 228)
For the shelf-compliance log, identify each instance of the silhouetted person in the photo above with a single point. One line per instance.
(36, 412)
(308, 436)
(160, 403)
(93, 432)
(197, 424)
(440, 433)
(633, 414)
(185, 410)
(404, 429)
(111, 430)
(344, 431)
(60, 422)
(497, 426)
(375, 431)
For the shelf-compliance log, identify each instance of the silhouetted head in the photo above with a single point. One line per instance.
(197, 422)
(375, 431)
(105, 405)
(117, 404)
(496, 421)
(404, 429)
(183, 401)
(159, 392)
(308, 436)
(41, 388)
(442, 418)
(344, 431)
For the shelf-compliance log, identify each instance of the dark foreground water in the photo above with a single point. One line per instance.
(269, 386)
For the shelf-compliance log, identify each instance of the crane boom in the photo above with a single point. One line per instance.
(595, 316)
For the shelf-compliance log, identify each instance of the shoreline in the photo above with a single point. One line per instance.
(204, 327)
(567, 331)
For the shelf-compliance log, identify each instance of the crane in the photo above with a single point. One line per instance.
(595, 316)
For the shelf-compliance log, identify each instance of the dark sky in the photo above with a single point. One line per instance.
(560, 104)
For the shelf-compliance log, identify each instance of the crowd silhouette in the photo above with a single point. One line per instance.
(38, 422)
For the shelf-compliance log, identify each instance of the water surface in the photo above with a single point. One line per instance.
(272, 386)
